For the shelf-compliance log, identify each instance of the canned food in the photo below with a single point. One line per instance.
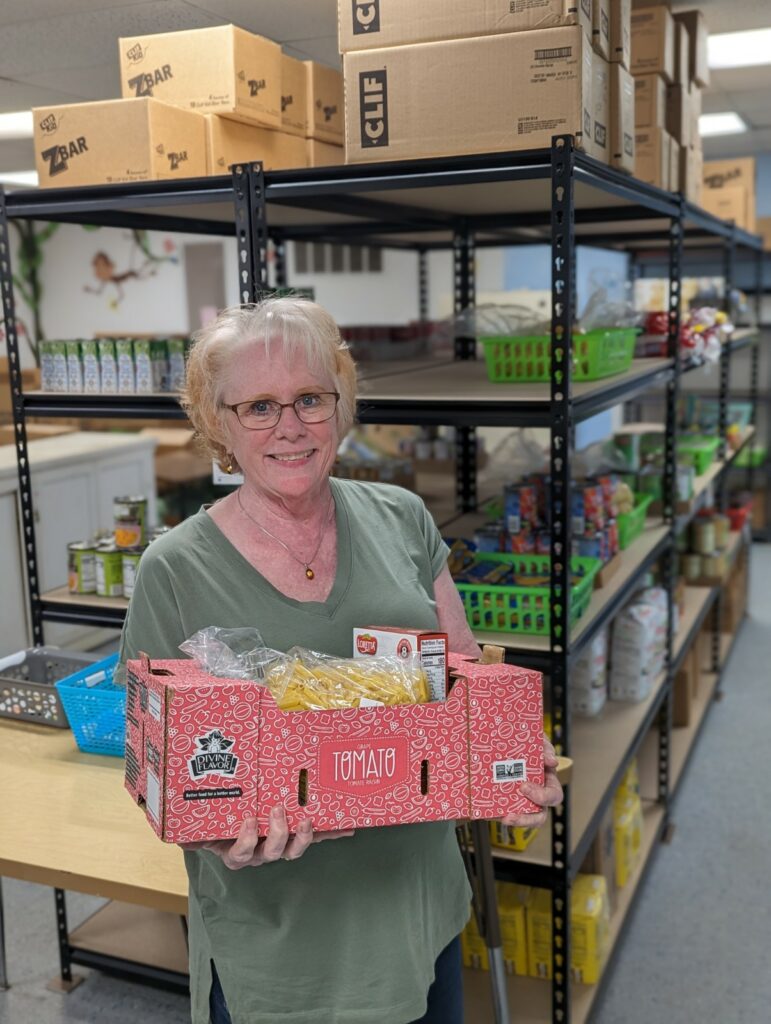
(129, 565)
(691, 567)
(81, 570)
(713, 566)
(109, 571)
(722, 529)
(130, 521)
(704, 536)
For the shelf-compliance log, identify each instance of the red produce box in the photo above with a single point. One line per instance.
(203, 753)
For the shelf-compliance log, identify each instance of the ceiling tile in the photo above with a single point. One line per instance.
(283, 21)
(98, 83)
(323, 50)
(22, 10)
(17, 155)
(87, 39)
(24, 95)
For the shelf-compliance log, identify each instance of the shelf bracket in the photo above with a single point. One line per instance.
(251, 231)
(464, 299)
(19, 426)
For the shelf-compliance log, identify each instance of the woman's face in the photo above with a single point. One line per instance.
(292, 459)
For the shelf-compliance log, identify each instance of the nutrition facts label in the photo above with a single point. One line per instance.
(433, 658)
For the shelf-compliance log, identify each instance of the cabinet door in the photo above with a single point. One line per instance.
(121, 475)
(14, 625)
(63, 503)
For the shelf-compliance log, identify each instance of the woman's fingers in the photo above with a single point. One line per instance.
(300, 841)
(319, 837)
(240, 852)
(277, 837)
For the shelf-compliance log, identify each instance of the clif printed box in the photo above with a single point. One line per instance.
(203, 753)
(385, 641)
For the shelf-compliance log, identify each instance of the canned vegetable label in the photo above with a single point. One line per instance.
(130, 521)
(109, 572)
(81, 571)
(130, 564)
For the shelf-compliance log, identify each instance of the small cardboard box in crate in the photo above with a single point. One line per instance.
(203, 753)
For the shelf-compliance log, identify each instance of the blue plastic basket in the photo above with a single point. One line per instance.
(96, 713)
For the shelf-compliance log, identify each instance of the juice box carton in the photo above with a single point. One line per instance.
(203, 753)
(108, 366)
(74, 366)
(392, 641)
(176, 349)
(92, 378)
(53, 366)
(124, 354)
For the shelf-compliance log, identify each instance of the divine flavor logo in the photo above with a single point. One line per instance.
(213, 756)
(364, 766)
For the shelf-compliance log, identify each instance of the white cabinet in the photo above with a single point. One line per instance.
(75, 478)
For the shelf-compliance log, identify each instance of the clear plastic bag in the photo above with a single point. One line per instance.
(304, 680)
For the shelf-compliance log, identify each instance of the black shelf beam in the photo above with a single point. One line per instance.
(135, 407)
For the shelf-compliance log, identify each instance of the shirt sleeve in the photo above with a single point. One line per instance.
(435, 545)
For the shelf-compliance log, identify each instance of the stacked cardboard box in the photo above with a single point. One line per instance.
(194, 103)
(529, 71)
(670, 69)
(728, 191)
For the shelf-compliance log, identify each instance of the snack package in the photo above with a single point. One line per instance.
(638, 646)
(588, 684)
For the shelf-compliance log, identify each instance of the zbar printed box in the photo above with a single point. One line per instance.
(203, 753)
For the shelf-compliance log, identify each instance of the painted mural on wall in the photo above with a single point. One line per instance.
(27, 280)
(142, 264)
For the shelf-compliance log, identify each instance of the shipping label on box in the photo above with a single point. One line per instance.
(650, 101)
(323, 154)
(324, 102)
(230, 142)
(679, 123)
(117, 141)
(622, 126)
(519, 90)
(294, 96)
(601, 27)
(391, 642)
(370, 24)
(203, 753)
(221, 70)
(600, 143)
(621, 32)
(653, 42)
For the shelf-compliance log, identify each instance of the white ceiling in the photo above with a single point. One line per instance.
(60, 51)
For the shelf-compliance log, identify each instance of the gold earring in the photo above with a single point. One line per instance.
(229, 467)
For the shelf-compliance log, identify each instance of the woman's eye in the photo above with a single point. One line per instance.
(259, 408)
(308, 401)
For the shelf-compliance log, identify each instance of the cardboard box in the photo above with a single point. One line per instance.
(600, 144)
(698, 33)
(727, 203)
(512, 904)
(202, 753)
(601, 858)
(589, 930)
(689, 178)
(764, 230)
(678, 112)
(652, 151)
(324, 103)
(622, 126)
(389, 641)
(294, 96)
(682, 55)
(650, 101)
(601, 27)
(628, 837)
(323, 154)
(117, 140)
(517, 93)
(230, 142)
(682, 704)
(653, 42)
(221, 70)
(695, 100)
(621, 32)
(674, 165)
(371, 24)
(721, 174)
(473, 947)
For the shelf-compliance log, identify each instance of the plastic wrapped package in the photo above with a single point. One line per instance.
(638, 646)
(303, 680)
(588, 685)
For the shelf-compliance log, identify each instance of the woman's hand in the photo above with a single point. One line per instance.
(249, 850)
(548, 795)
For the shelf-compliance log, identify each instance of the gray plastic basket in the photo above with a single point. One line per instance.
(27, 691)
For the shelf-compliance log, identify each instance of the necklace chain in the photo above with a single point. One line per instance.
(309, 573)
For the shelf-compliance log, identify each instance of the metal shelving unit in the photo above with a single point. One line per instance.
(559, 197)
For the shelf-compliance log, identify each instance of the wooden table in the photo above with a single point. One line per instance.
(67, 822)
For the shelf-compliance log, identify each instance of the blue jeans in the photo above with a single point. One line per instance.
(445, 997)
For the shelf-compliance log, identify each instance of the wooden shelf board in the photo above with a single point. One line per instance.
(530, 999)
(628, 563)
(61, 595)
(683, 738)
(139, 934)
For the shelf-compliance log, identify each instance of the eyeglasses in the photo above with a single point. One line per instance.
(264, 413)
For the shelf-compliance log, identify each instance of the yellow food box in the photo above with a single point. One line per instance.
(630, 783)
(589, 930)
(473, 947)
(512, 901)
(547, 723)
(628, 837)
(508, 837)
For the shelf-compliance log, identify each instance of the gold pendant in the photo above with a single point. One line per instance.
(309, 572)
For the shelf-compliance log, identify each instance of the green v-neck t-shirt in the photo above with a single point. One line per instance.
(348, 933)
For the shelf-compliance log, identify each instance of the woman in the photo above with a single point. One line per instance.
(364, 930)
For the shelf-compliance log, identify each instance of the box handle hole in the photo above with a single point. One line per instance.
(424, 777)
(302, 787)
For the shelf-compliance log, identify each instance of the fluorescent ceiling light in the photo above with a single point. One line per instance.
(17, 125)
(739, 49)
(24, 178)
(721, 124)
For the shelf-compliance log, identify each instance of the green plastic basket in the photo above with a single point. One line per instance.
(596, 354)
(751, 457)
(702, 450)
(524, 609)
(631, 524)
